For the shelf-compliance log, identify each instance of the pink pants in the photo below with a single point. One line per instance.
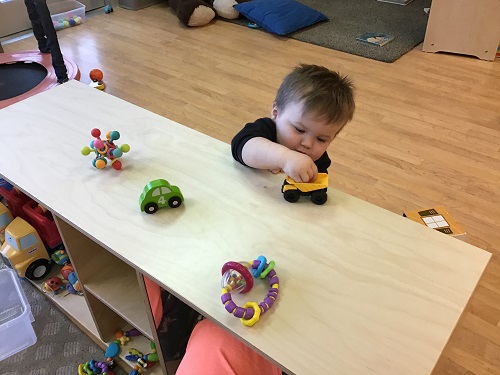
(213, 351)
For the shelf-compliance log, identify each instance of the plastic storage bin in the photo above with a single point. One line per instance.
(66, 14)
(16, 332)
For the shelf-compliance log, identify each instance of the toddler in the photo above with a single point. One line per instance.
(311, 107)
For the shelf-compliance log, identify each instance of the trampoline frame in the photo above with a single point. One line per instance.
(43, 59)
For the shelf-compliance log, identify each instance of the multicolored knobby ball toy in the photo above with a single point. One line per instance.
(237, 277)
(105, 150)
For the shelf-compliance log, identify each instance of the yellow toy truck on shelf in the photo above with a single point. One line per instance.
(317, 190)
(24, 251)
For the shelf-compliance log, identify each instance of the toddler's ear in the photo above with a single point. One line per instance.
(274, 112)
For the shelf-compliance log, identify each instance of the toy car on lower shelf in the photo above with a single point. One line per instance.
(317, 190)
(158, 194)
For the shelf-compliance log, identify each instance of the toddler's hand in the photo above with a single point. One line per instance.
(300, 167)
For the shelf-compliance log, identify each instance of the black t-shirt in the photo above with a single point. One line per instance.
(266, 128)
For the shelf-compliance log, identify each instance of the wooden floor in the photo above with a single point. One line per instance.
(426, 131)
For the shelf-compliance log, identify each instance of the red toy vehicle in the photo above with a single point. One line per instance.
(31, 238)
(43, 221)
(15, 200)
(26, 208)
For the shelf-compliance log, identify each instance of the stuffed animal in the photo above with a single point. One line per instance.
(201, 12)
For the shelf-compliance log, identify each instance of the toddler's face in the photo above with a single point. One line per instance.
(303, 133)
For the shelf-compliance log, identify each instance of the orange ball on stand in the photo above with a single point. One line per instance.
(96, 75)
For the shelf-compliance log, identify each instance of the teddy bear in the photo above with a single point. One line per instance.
(200, 12)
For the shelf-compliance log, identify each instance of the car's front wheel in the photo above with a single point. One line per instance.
(38, 269)
(151, 208)
(174, 202)
(291, 196)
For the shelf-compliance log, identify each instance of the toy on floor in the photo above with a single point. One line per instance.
(73, 286)
(60, 257)
(108, 8)
(237, 277)
(94, 367)
(68, 273)
(54, 285)
(158, 194)
(67, 22)
(144, 361)
(317, 189)
(200, 12)
(96, 77)
(106, 150)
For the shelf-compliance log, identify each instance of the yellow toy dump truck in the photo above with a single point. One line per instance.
(317, 190)
(24, 251)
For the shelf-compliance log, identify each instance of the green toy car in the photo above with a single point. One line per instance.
(159, 194)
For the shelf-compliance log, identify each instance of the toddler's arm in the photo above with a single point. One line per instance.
(262, 153)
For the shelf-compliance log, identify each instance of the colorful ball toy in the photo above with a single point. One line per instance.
(62, 23)
(237, 277)
(96, 75)
(106, 150)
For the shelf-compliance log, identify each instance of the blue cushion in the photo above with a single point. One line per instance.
(280, 16)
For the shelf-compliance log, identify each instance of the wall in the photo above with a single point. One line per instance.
(14, 18)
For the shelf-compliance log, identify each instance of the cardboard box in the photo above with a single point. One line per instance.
(439, 219)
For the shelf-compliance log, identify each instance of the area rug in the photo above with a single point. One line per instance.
(349, 19)
(61, 346)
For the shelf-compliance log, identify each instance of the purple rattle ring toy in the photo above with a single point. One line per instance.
(237, 278)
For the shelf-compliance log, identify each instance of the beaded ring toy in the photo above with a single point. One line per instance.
(143, 361)
(237, 278)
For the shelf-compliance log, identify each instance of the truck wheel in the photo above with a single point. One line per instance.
(291, 196)
(174, 202)
(318, 197)
(38, 269)
(151, 208)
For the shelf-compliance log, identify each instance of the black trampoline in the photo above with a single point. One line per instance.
(27, 73)
(20, 77)
(23, 74)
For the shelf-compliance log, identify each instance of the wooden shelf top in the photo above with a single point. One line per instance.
(361, 287)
